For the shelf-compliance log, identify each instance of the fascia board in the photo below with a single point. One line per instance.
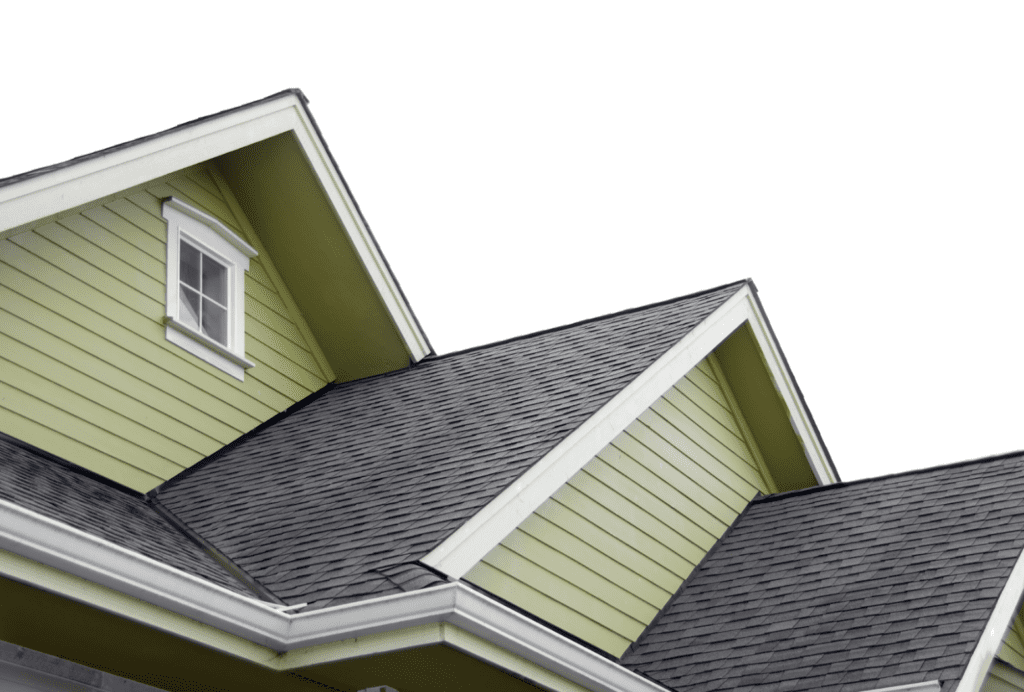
(995, 629)
(496, 623)
(59, 190)
(76, 552)
(77, 184)
(345, 207)
(51, 543)
(488, 527)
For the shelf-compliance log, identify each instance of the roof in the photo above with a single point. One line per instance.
(36, 172)
(337, 500)
(40, 482)
(854, 586)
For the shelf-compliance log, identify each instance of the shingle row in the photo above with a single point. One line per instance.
(851, 587)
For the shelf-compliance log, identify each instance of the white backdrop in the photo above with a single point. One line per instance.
(540, 163)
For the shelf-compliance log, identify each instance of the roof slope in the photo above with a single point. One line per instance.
(53, 488)
(847, 587)
(335, 501)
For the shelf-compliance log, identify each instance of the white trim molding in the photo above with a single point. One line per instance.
(453, 613)
(995, 629)
(488, 527)
(202, 232)
(65, 188)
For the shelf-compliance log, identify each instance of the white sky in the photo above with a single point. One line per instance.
(545, 162)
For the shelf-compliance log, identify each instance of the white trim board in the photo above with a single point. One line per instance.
(65, 188)
(995, 629)
(114, 579)
(488, 527)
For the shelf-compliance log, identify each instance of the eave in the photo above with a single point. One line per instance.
(63, 560)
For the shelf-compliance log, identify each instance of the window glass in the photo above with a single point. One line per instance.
(204, 293)
(189, 266)
(215, 280)
(215, 321)
(190, 307)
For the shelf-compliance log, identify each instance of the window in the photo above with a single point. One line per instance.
(206, 265)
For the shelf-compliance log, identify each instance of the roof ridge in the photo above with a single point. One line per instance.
(588, 320)
(897, 474)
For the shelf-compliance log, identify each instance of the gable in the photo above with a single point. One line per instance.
(88, 373)
(602, 556)
(356, 309)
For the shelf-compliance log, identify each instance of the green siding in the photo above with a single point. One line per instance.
(87, 371)
(1003, 678)
(1012, 649)
(602, 556)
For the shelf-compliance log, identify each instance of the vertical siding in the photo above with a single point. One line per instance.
(87, 372)
(601, 557)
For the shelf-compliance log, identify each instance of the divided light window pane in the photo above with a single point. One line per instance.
(203, 293)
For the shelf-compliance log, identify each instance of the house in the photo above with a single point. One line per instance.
(230, 460)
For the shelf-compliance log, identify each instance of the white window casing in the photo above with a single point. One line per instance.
(215, 241)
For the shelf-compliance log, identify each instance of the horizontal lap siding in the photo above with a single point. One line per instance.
(87, 372)
(602, 556)
(1012, 648)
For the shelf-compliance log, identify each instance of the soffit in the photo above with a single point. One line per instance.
(313, 252)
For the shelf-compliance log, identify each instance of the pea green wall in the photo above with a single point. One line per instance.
(1003, 678)
(88, 374)
(1012, 649)
(601, 557)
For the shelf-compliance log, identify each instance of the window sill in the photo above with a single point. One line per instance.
(206, 348)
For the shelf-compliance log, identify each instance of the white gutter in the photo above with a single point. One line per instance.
(45, 540)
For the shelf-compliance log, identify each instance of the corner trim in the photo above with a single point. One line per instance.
(457, 554)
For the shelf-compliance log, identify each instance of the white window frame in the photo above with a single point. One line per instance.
(222, 244)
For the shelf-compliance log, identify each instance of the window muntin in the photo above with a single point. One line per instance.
(203, 293)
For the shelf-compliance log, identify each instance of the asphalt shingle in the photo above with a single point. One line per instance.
(320, 505)
(850, 587)
(54, 488)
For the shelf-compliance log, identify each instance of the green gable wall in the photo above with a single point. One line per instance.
(602, 556)
(88, 374)
(1012, 649)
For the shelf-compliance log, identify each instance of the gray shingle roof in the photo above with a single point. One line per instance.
(337, 500)
(849, 587)
(44, 484)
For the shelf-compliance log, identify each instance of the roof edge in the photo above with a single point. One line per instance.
(43, 170)
(130, 575)
(897, 474)
(589, 320)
